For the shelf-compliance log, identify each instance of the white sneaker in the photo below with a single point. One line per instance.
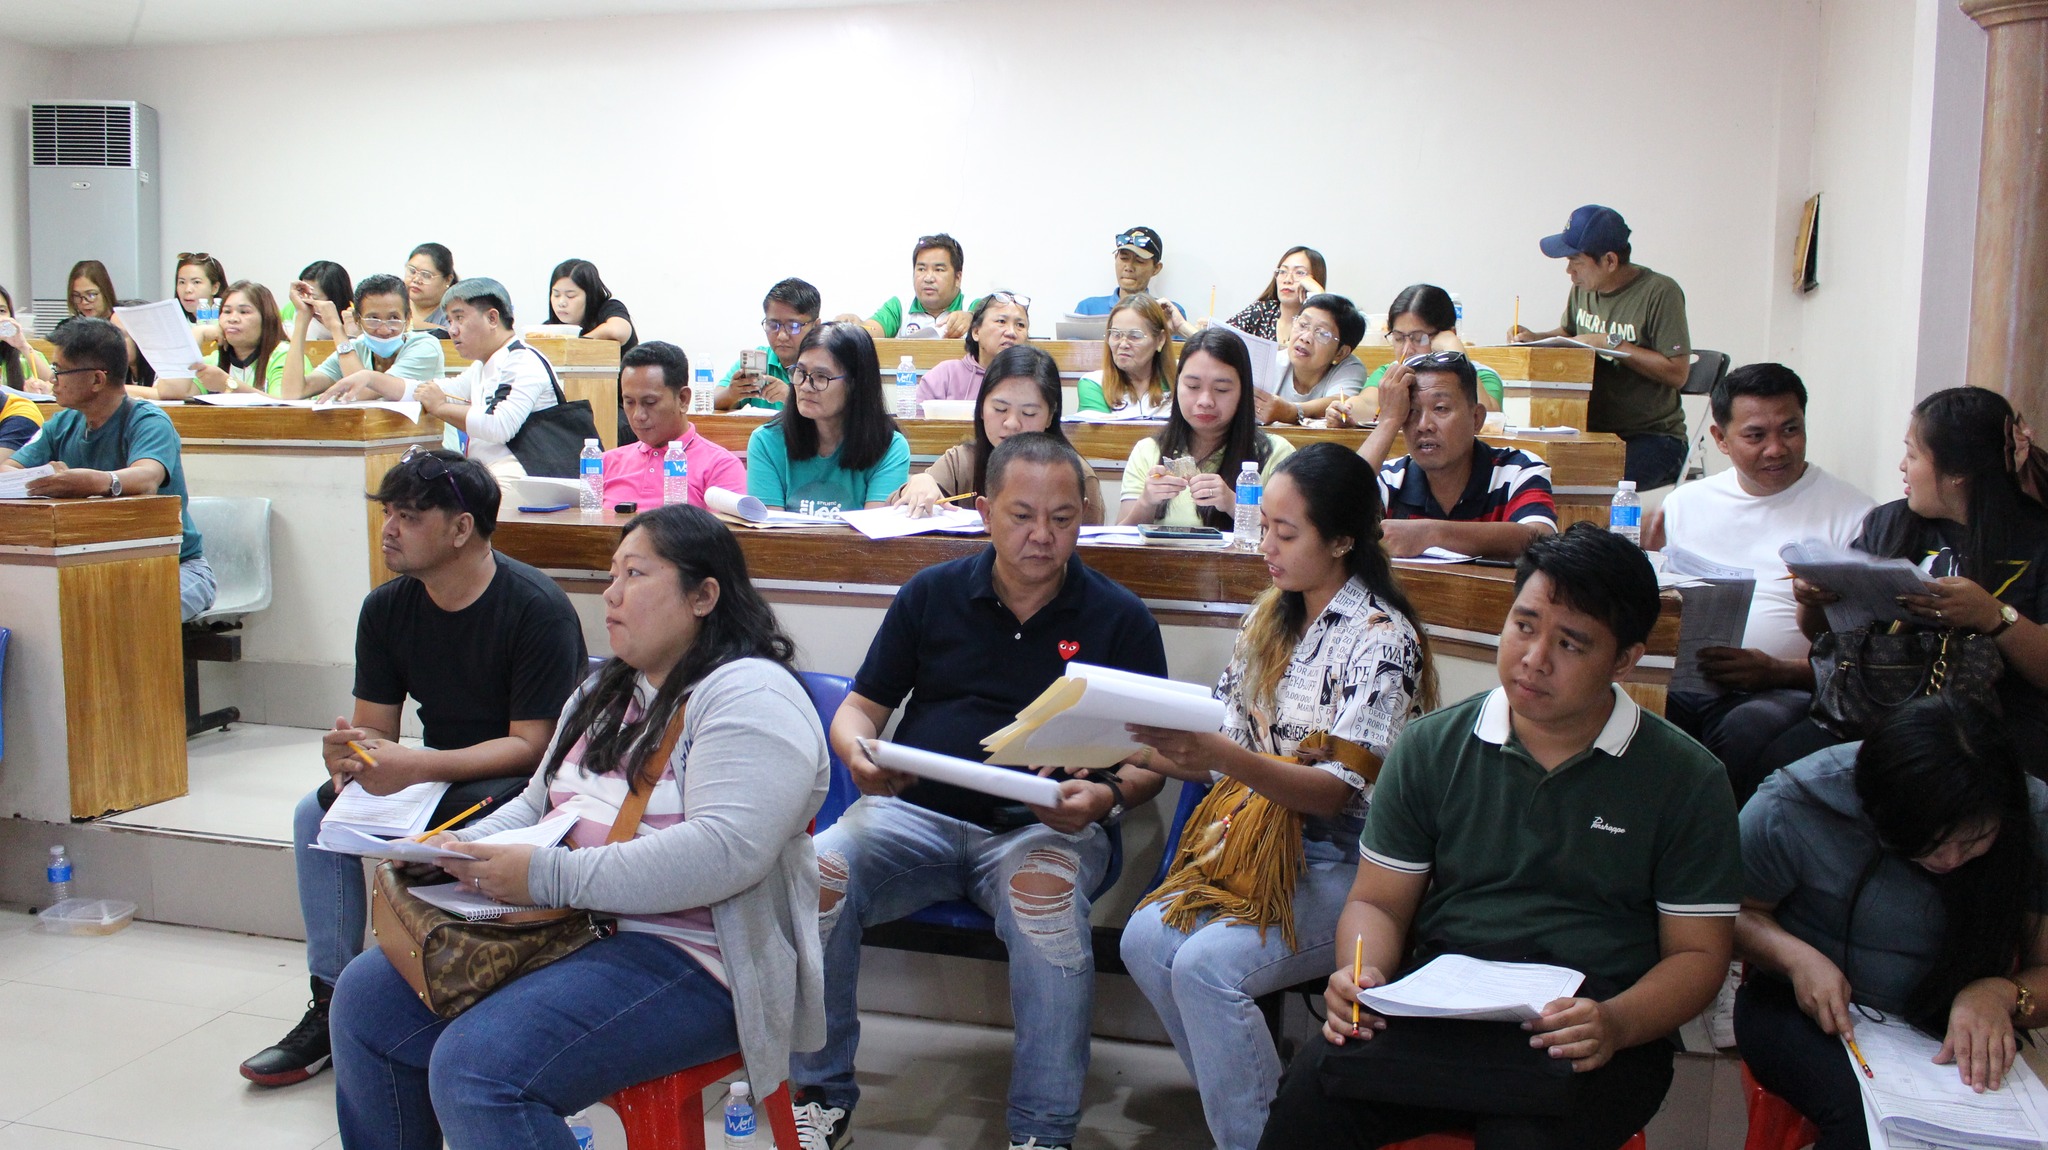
(1720, 1017)
(821, 1127)
(1035, 1144)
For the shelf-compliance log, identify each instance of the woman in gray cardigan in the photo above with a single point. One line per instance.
(716, 896)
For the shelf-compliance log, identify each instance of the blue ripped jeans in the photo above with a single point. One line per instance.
(886, 858)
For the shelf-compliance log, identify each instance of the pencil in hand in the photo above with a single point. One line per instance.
(1357, 972)
(362, 752)
(956, 498)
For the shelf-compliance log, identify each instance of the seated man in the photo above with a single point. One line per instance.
(104, 443)
(1550, 819)
(1739, 518)
(1140, 255)
(654, 386)
(488, 647)
(936, 303)
(1453, 490)
(788, 311)
(972, 642)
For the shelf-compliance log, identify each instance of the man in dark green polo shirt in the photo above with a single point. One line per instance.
(1552, 819)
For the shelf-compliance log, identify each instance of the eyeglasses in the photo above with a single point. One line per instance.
(793, 327)
(57, 373)
(417, 275)
(812, 380)
(432, 467)
(1418, 338)
(1023, 301)
(1291, 274)
(1451, 359)
(92, 296)
(375, 323)
(1319, 334)
(1126, 335)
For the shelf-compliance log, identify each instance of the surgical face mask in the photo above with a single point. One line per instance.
(383, 348)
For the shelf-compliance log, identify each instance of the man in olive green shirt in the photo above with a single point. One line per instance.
(1637, 318)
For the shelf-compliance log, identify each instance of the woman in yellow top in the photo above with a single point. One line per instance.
(1186, 475)
(252, 351)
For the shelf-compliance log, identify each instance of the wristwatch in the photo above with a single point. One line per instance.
(1614, 340)
(113, 485)
(2007, 616)
(1115, 814)
(2023, 1004)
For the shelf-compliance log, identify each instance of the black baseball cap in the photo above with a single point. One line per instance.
(1593, 230)
(1141, 241)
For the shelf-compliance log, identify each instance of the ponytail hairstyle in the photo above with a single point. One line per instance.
(1243, 441)
(1969, 433)
(740, 626)
(584, 275)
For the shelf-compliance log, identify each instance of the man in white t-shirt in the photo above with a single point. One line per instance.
(1770, 497)
(505, 382)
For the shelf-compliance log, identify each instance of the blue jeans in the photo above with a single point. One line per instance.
(196, 588)
(1204, 985)
(507, 1071)
(886, 858)
(331, 899)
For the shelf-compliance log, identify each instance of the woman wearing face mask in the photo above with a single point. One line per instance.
(1900, 877)
(429, 273)
(1421, 319)
(1020, 392)
(252, 351)
(1133, 377)
(1301, 274)
(1210, 432)
(1001, 320)
(1320, 368)
(375, 346)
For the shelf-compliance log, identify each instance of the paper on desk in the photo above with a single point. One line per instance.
(163, 335)
(1439, 555)
(1002, 782)
(1126, 536)
(1511, 431)
(896, 522)
(409, 408)
(14, 484)
(751, 512)
(1567, 341)
(402, 812)
(1914, 1101)
(1458, 986)
(247, 399)
(1869, 587)
(1128, 414)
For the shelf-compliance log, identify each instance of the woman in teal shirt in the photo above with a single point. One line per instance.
(252, 350)
(835, 448)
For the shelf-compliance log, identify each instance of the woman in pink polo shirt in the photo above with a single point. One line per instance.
(654, 394)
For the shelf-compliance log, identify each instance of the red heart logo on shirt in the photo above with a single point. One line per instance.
(1069, 648)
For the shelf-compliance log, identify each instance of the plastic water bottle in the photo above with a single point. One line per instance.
(1458, 307)
(700, 392)
(590, 465)
(209, 310)
(675, 475)
(59, 872)
(739, 1118)
(1245, 532)
(906, 389)
(579, 1129)
(1625, 514)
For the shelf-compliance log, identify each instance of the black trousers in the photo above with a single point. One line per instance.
(1792, 1058)
(1738, 727)
(1615, 1102)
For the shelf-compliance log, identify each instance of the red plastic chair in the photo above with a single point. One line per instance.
(1464, 1142)
(1773, 1123)
(668, 1113)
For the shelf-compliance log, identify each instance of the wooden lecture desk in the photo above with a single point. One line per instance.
(95, 690)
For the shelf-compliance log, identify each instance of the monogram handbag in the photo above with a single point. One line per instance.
(1860, 675)
(452, 962)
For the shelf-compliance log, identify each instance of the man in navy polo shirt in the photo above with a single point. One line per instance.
(971, 642)
(1452, 490)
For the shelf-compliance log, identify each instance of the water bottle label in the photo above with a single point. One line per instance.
(1624, 517)
(675, 469)
(586, 1138)
(740, 1125)
(59, 872)
(592, 468)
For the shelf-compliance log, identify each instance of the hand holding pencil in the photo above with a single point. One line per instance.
(1342, 1017)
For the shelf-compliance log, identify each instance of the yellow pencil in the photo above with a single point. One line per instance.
(1518, 311)
(362, 754)
(1212, 299)
(1357, 972)
(423, 836)
(959, 497)
(1858, 1052)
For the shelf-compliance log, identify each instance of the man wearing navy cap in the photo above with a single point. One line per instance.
(1637, 316)
(1140, 255)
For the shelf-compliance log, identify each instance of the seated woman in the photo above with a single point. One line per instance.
(1903, 877)
(578, 298)
(1186, 475)
(92, 294)
(429, 273)
(709, 957)
(375, 346)
(252, 351)
(1966, 522)
(1001, 319)
(1332, 650)
(1020, 392)
(835, 448)
(322, 280)
(1320, 368)
(1421, 319)
(198, 279)
(1133, 377)
(1300, 275)
(24, 368)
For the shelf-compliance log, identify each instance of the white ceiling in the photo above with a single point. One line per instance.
(87, 25)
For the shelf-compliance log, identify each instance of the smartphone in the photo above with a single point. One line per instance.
(754, 360)
(1181, 534)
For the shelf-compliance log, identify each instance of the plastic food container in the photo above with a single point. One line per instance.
(88, 916)
(949, 409)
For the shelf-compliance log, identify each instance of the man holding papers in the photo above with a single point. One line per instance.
(488, 647)
(1551, 820)
(971, 643)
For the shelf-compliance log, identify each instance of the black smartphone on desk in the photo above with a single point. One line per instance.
(1166, 534)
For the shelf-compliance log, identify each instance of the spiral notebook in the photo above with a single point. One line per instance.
(467, 902)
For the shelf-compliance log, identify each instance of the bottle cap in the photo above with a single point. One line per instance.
(592, 443)
(742, 1090)
(1628, 485)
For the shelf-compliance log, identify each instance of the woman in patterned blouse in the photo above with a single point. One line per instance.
(1301, 273)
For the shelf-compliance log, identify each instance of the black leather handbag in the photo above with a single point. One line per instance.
(1861, 675)
(550, 442)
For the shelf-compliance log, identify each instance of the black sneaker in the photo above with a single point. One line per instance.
(298, 1055)
(819, 1124)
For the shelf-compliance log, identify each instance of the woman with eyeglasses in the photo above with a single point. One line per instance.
(92, 294)
(374, 346)
(1320, 368)
(835, 448)
(1899, 878)
(1300, 275)
(1001, 319)
(252, 353)
(1185, 476)
(1421, 319)
(1133, 378)
(429, 273)
(1020, 392)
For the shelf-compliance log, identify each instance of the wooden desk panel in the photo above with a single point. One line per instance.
(203, 427)
(50, 524)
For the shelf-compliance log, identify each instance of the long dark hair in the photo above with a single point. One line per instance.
(1968, 432)
(1426, 302)
(1935, 767)
(866, 426)
(333, 281)
(95, 271)
(741, 626)
(1242, 441)
(13, 371)
(1316, 268)
(1018, 361)
(584, 275)
(269, 332)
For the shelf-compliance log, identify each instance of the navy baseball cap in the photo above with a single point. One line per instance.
(1593, 230)
(1142, 242)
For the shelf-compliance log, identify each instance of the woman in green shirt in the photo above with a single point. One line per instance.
(1133, 378)
(252, 351)
(835, 447)
(1184, 476)
(1421, 319)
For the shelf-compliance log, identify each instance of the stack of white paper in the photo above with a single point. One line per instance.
(163, 335)
(1716, 614)
(1911, 1102)
(751, 512)
(1568, 341)
(1456, 986)
(896, 522)
(349, 841)
(399, 813)
(1869, 587)
(1078, 721)
(14, 483)
(1002, 782)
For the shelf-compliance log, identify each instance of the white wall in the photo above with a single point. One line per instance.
(26, 74)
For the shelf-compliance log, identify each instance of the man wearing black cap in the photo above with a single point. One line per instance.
(1637, 317)
(1139, 257)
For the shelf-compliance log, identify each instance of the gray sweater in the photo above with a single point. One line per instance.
(754, 771)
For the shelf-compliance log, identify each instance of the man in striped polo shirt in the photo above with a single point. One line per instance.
(1452, 490)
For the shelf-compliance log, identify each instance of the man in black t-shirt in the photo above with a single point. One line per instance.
(487, 646)
(971, 642)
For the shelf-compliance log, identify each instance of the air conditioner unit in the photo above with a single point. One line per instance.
(92, 195)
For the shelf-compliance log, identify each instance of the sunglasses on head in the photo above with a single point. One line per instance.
(432, 467)
(193, 257)
(1134, 240)
(1449, 359)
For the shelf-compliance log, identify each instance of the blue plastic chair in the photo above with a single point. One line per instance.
(4, 633)
(1191, 796)
(827, 692)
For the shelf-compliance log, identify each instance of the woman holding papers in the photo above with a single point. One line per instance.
(374, 345)
(1330, 664)
(1020, 392)
(1901, 877)
(1185, 476)
(711, 955)
(835, 448)
(252, 351)
(1133, 378)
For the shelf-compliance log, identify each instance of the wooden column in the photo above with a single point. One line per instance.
(2009, 290)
